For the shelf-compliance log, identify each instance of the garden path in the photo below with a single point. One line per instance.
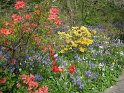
(119, 87)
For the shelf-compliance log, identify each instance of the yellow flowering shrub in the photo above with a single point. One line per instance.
(78, 38)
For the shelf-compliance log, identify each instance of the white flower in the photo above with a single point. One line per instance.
(122, 53)
(101, 47)
(56, 55)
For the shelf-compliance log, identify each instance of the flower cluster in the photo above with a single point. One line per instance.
(44, 89)
(29, 80)
(5, 31)
(55, 68)
(77, 37)
(36, 38)
(54, 15)
(72, 69)
(19, 5)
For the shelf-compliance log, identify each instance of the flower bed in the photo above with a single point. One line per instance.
(35, 59)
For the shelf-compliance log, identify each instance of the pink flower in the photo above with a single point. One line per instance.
(32, 77)
(44, 89)
(23, 76)
(6, 31)
(32, 85)
(26, 29)
(27, 16)
(19, 4)
(17, 18)
(52, 16)
(57, 22)
(33, 24)
(18, 84)
(54, 10)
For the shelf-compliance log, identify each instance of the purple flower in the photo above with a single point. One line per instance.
(47, 60)
(30, 63)
(39, 58)
(81, 86)
(88, 74)
(38, 77)
(92, 65)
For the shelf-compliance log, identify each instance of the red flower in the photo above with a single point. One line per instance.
(51, 54)
(19, 4)
(52, 51)
(53, 63)
(72, 69)
(53, 58)
(58, 22)
(3, 81)
(54, 10)
(55, 68)
(13, 61)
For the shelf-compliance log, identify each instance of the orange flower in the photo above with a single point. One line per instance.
(44, 49)
(37, 12)
(27, 16)
(37, 6)
(60, 69)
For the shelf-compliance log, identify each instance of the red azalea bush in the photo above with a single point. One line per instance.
(20, 34)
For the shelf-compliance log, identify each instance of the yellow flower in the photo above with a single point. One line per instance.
(61, 51)
(74, 45)
(94, 32)
(113, 63)
(82, 49)
(65, 49)
(73, 28)
(86, 32)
